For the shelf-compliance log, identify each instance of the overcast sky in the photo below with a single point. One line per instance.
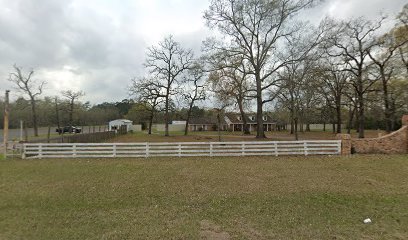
(98, 45)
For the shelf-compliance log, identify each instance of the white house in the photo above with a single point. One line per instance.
(116, 124)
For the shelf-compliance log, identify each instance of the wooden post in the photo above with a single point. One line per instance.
(211, 149)
(25, 133)
(48, 134)
(114, 150)
(40, 153)
(305, 148)
(147, 149)
(6, 123)
(21, 130)
(276, 148)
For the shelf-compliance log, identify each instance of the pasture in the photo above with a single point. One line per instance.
(208, 136)
(325, 197)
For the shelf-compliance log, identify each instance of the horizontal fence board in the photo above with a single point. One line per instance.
(180, 149)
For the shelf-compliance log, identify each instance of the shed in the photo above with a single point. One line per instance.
(116, 124)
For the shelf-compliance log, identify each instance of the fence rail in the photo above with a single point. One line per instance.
(180, 149)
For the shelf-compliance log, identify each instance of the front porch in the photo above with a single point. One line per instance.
(239, 127)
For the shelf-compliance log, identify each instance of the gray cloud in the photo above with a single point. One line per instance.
(98, 45)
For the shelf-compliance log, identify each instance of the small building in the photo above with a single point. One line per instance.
(115, 125)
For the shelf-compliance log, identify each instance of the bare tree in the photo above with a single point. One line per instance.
(167, 62)
(195, 90)
(401, 35)
(353, 40)
(255, 28)
(147, 91)
(72, 96)
(230, 79)
(385, 49)
(296, 90)
(30, 87)
(332, 83)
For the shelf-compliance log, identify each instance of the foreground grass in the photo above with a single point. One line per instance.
(209, 198)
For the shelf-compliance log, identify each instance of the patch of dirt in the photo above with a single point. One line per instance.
(210, 230)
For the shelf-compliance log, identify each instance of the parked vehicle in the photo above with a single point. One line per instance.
(68, 129)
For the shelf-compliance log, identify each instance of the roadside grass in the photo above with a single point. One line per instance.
(209, 198)
(207, 136)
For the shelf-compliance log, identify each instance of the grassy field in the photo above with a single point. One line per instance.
(205, 198)
(207, 136)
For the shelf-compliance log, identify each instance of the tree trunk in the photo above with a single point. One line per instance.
(150, 122)
(188, 118)
(243, 116)
(166, 117)
(334, 127)
(259, 105)
(71, 113)
(48, 134)
(292, 127)
(338, 113)
(386, 101)
(295, 121)
(34, 116)
(360, 100)
(350, 120)
(307, 127)
(219, 126)
(361, 116)
(292, 122)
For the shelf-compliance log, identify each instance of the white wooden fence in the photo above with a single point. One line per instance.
(180, 149)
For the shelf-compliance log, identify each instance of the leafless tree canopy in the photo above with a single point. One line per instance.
(166, 62)
(29, 86)
(254, 31)
(72, 96)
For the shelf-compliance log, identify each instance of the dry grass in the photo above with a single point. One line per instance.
(190, 198)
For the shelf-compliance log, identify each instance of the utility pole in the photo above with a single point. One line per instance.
(6, 123)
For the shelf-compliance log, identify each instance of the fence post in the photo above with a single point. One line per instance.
(211, 149)
(114, 150)
(179, 150)
(305, 148)
(339, 147)
(243, 149)
(40, 150)
(74, 153)
(23, 155)
(276, 148)
(147, 149)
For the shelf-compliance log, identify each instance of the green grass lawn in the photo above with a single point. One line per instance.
(205, 198)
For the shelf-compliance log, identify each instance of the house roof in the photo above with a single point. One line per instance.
(122, 120)
(209, 120)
